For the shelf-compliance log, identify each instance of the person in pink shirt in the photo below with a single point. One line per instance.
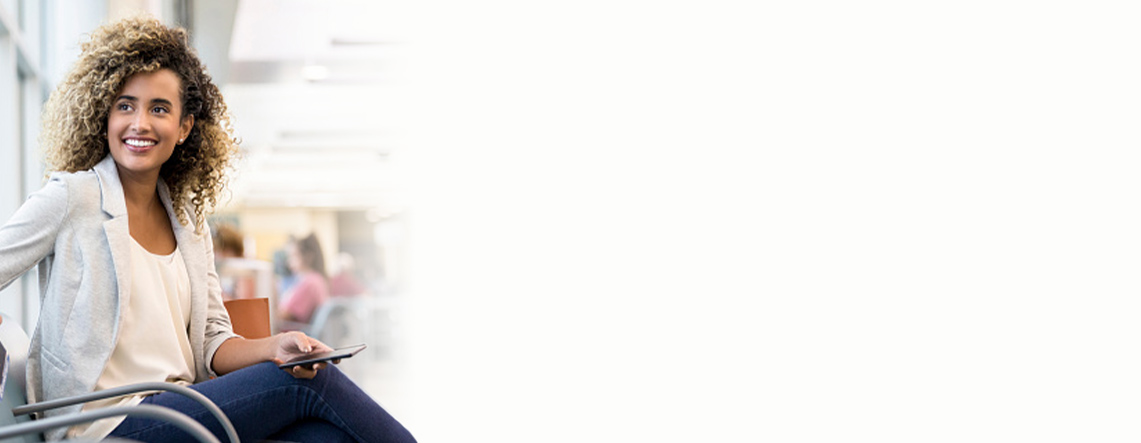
(312, 287)
(344, 282)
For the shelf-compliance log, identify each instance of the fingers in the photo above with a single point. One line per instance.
(299, 372)
(318, 346)
(306, 372)
(301, 342)
(295, 345)
(307, 344)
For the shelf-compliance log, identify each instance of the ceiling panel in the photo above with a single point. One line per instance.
(310, 89)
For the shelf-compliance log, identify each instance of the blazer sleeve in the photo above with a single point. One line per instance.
(218, 327)
(30, 234)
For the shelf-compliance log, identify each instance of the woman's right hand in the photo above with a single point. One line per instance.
(294, 345)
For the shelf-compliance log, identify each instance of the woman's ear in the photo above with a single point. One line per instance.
(184, 128)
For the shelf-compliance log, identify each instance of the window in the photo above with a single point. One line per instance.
(22, 93)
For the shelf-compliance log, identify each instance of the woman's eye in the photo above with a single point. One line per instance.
(124, 107)
(161, 110)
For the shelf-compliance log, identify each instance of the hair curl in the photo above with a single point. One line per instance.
(75, 117)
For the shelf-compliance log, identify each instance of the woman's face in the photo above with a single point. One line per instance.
(145, 122)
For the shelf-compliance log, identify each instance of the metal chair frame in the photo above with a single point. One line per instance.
(14, 344)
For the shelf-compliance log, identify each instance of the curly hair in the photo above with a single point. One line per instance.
(74, 134)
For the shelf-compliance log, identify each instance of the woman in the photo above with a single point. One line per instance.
(312, 288)
(140, 139)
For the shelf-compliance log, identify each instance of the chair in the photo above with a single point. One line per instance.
(16, 424)
(249, 317)
(335, 322)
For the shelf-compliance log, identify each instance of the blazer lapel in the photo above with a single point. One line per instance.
(117, 228)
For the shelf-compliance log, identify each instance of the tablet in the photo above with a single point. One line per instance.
(345, 352)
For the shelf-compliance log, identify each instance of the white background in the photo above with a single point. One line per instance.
(773, 221)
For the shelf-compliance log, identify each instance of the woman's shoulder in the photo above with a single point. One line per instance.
(74, 182)
(80, 177)
(67, 191)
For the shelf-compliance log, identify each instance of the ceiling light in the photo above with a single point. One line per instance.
(314, 72)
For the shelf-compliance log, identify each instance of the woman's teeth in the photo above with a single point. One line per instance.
(140, 143)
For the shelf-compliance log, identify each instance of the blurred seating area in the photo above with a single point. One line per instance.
(328, 274)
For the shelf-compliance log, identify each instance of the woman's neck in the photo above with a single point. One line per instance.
(139, 190)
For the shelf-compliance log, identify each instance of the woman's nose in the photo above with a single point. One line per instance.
(140, 123)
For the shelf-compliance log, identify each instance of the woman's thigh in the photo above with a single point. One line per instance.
(262, 400)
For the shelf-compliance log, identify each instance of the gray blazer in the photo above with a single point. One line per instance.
(76, 229)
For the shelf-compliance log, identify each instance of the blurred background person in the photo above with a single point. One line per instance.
(283, 275)
(344, 281)
(237, 274)
(307, 262)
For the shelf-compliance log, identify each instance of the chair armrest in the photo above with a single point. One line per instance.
(195, 429)
(131, 389)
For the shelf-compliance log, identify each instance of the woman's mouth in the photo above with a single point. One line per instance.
(138, 145)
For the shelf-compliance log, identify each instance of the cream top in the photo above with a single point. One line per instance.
(153, 344)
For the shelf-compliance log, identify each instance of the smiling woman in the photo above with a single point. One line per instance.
(76, 133)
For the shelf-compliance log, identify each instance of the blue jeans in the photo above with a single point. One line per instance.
(264, 402)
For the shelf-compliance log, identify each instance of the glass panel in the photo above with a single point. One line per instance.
(30, 26)
(11, 7)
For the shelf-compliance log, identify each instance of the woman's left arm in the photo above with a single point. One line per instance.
(237, 353)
